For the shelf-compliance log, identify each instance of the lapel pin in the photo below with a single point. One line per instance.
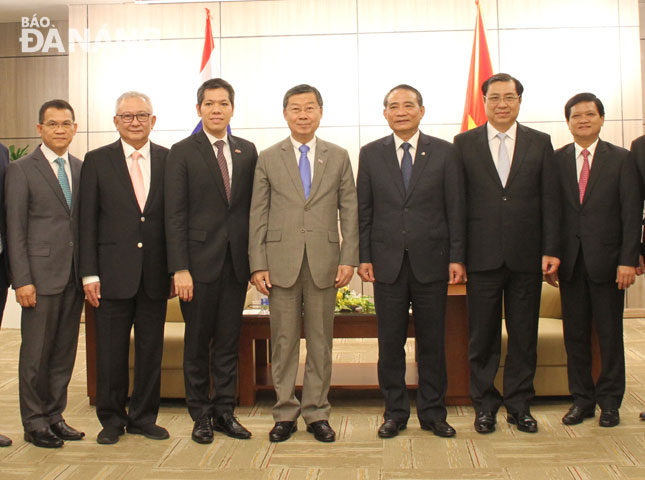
(423, 153)
(237, 150)
(320, 160)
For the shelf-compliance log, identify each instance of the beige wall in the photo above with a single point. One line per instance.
(26, 81)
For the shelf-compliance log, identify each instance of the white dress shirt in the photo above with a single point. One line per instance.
(311, 154)
(509, 142)
(580, 159)
(227, 152)
(51, 157)
(414, 140)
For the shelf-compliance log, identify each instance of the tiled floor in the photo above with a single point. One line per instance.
(556, 452)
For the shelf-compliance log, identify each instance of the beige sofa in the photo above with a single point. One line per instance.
(550, 378)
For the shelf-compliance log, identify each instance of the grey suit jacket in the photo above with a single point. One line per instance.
(42, 230)
(282, 223)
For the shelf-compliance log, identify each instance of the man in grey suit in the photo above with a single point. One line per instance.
(301, 186)
(4, 162)
(42, 229)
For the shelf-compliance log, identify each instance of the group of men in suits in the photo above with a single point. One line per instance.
(135, 224)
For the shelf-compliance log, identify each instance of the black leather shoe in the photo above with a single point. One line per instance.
(228, 424)
(151, 431)
(440, 428)
(609, 417)
(65, 432)
(642, 417)
(322, 431)
(281, 431)
(485, 422)
(43, 437)
(524, 421)
(202, 430)
(109, 435)
(5, 441)
(577, 414)
(391, 428)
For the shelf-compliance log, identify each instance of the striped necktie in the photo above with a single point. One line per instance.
(64, 181)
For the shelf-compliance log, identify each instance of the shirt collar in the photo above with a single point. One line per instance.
(128, 149)
(413, 141)
(591, 148)
(296, 144)
(510, 133)
(51, 156)
(213, 138)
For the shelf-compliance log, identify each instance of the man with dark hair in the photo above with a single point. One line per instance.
(209, 177)
(302, 184)
(412, 223)
(601, 223)
(513, 239)
(124, 269)
(4, 278)
(42, 231)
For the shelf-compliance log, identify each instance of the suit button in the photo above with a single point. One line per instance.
(71, 244)
(140, 245)
(404, 232)
(143, 219)
(504, 198)
(302, 230)
(307, 209)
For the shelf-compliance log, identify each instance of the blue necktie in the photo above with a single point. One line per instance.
(64, 181)
(305, 169)
(406, 165)
(503, 162)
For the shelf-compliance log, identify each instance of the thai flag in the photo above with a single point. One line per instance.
(206, 71)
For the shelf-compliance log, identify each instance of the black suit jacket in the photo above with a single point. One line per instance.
(517, 224)
(428, 220)
(638, 155)
(200, 222)
(4, 270)
(607, 224)
(119, 243)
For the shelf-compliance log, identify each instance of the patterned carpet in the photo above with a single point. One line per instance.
(556, 452)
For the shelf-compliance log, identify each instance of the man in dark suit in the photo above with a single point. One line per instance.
(512, 237)
(124, 268)
(601, 224)
(209, 177)
(638, 154)
(412, 219)
(42, 230)
(4, 280)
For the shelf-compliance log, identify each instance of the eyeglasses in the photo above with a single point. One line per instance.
(508, 99)
(55, 126)
(129, 117)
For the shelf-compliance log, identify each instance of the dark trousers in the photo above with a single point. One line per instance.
(49, 338)
(520, 293)
(584, 301)
(429, 312)
(114, 322)
(211, 342)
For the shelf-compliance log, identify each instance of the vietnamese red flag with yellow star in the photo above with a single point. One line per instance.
(481, 69)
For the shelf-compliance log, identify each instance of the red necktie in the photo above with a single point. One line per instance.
(221, 161)
(584, 174)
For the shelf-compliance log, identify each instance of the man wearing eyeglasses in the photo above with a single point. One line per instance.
(124, 269)
(512, 240)
(42, 228)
